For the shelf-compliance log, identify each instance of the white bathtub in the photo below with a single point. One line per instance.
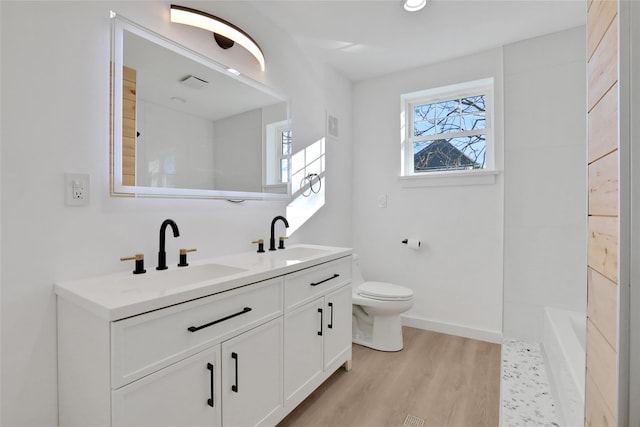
(563, 347)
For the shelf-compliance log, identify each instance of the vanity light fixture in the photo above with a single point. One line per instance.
(414, 5)
(225, 33)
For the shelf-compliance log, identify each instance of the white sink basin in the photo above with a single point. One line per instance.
(298, 254)
(200, 273)
(182, 276)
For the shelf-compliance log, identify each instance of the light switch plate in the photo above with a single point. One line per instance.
(76, 189)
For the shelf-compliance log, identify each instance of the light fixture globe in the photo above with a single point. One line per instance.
(225, 32)
(414, 5)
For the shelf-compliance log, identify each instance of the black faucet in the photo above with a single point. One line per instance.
(162, 255)
(272, 241)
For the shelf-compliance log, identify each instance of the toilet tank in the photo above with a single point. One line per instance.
(356, 275)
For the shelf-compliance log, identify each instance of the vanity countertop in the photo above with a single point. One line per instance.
(115, 297)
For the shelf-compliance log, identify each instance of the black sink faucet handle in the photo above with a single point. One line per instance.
(281, 244)
(139, 258)
(183, 257)
(260, 243)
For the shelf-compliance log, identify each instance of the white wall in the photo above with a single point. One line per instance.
(545, 180)
(159, 163)
(634, 256)
(457, 275)
(55, 99)
(241, 133)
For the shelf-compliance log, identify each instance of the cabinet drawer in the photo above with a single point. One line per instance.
(143, 344)
(304, 285)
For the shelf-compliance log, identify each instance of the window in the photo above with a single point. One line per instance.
(284, 153)
(277, 152)
(448, 129)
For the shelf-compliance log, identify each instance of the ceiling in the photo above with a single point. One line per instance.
(364, 39)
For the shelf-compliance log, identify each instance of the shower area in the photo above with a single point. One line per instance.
(545, 213)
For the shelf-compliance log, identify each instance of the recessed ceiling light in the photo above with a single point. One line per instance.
(414, 5)
(233, 71)
(178, 99)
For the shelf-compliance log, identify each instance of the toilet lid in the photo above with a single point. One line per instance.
(384, 291)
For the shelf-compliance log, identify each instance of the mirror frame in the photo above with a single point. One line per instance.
(117, 188)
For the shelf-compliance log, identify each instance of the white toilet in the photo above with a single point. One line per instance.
(376, 311)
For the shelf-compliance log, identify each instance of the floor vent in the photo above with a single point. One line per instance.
(413, 421)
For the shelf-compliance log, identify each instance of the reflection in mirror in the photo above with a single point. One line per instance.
(307, 184)
(184, 126)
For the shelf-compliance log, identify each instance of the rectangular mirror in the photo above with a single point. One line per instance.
(184, 126)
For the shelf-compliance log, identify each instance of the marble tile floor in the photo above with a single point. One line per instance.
(525, 391)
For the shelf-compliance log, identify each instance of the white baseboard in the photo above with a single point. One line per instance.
(452, 329)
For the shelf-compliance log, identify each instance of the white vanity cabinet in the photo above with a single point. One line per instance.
(246, 381)
(337, 334)
(242, 356)
(252, 377)
(317, 327)
(162, 399)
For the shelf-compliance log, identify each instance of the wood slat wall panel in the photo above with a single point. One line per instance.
(603, 66)
(129, 74)
(603, 125)
(128, 128)
(129, 90)
(128, 147)
(128, 165)
(601, 365)
(601, 14)
(602, 254)
(128, 180)
(129, 109)
(603, 305)
(603, 186)
(596, 412)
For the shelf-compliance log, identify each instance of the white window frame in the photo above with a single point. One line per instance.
(273, 155)
(410, 178)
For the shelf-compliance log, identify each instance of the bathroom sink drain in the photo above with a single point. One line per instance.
(413, 421)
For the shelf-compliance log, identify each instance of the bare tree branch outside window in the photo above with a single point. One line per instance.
(450, 135)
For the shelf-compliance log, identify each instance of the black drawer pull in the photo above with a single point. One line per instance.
(234, 356)
(325, 280)
(211, 401)
(330, 325)
(321, 321)
(197, 328)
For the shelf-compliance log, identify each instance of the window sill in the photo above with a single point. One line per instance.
(442, 179)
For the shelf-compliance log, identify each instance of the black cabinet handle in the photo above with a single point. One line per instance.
(197, 328)
(330, 325)
(325, 280)
(210, 368)
(235, 386)
(321, 321)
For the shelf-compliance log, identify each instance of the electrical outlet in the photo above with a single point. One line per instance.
(76, 189)
(382, 201)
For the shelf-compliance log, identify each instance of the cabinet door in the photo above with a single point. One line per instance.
(303, 340)
(252, 376)
(186, 393)
(337, 340)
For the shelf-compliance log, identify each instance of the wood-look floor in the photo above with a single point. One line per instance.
(443, 379)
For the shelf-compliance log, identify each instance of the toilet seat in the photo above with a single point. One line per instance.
(382, 291)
